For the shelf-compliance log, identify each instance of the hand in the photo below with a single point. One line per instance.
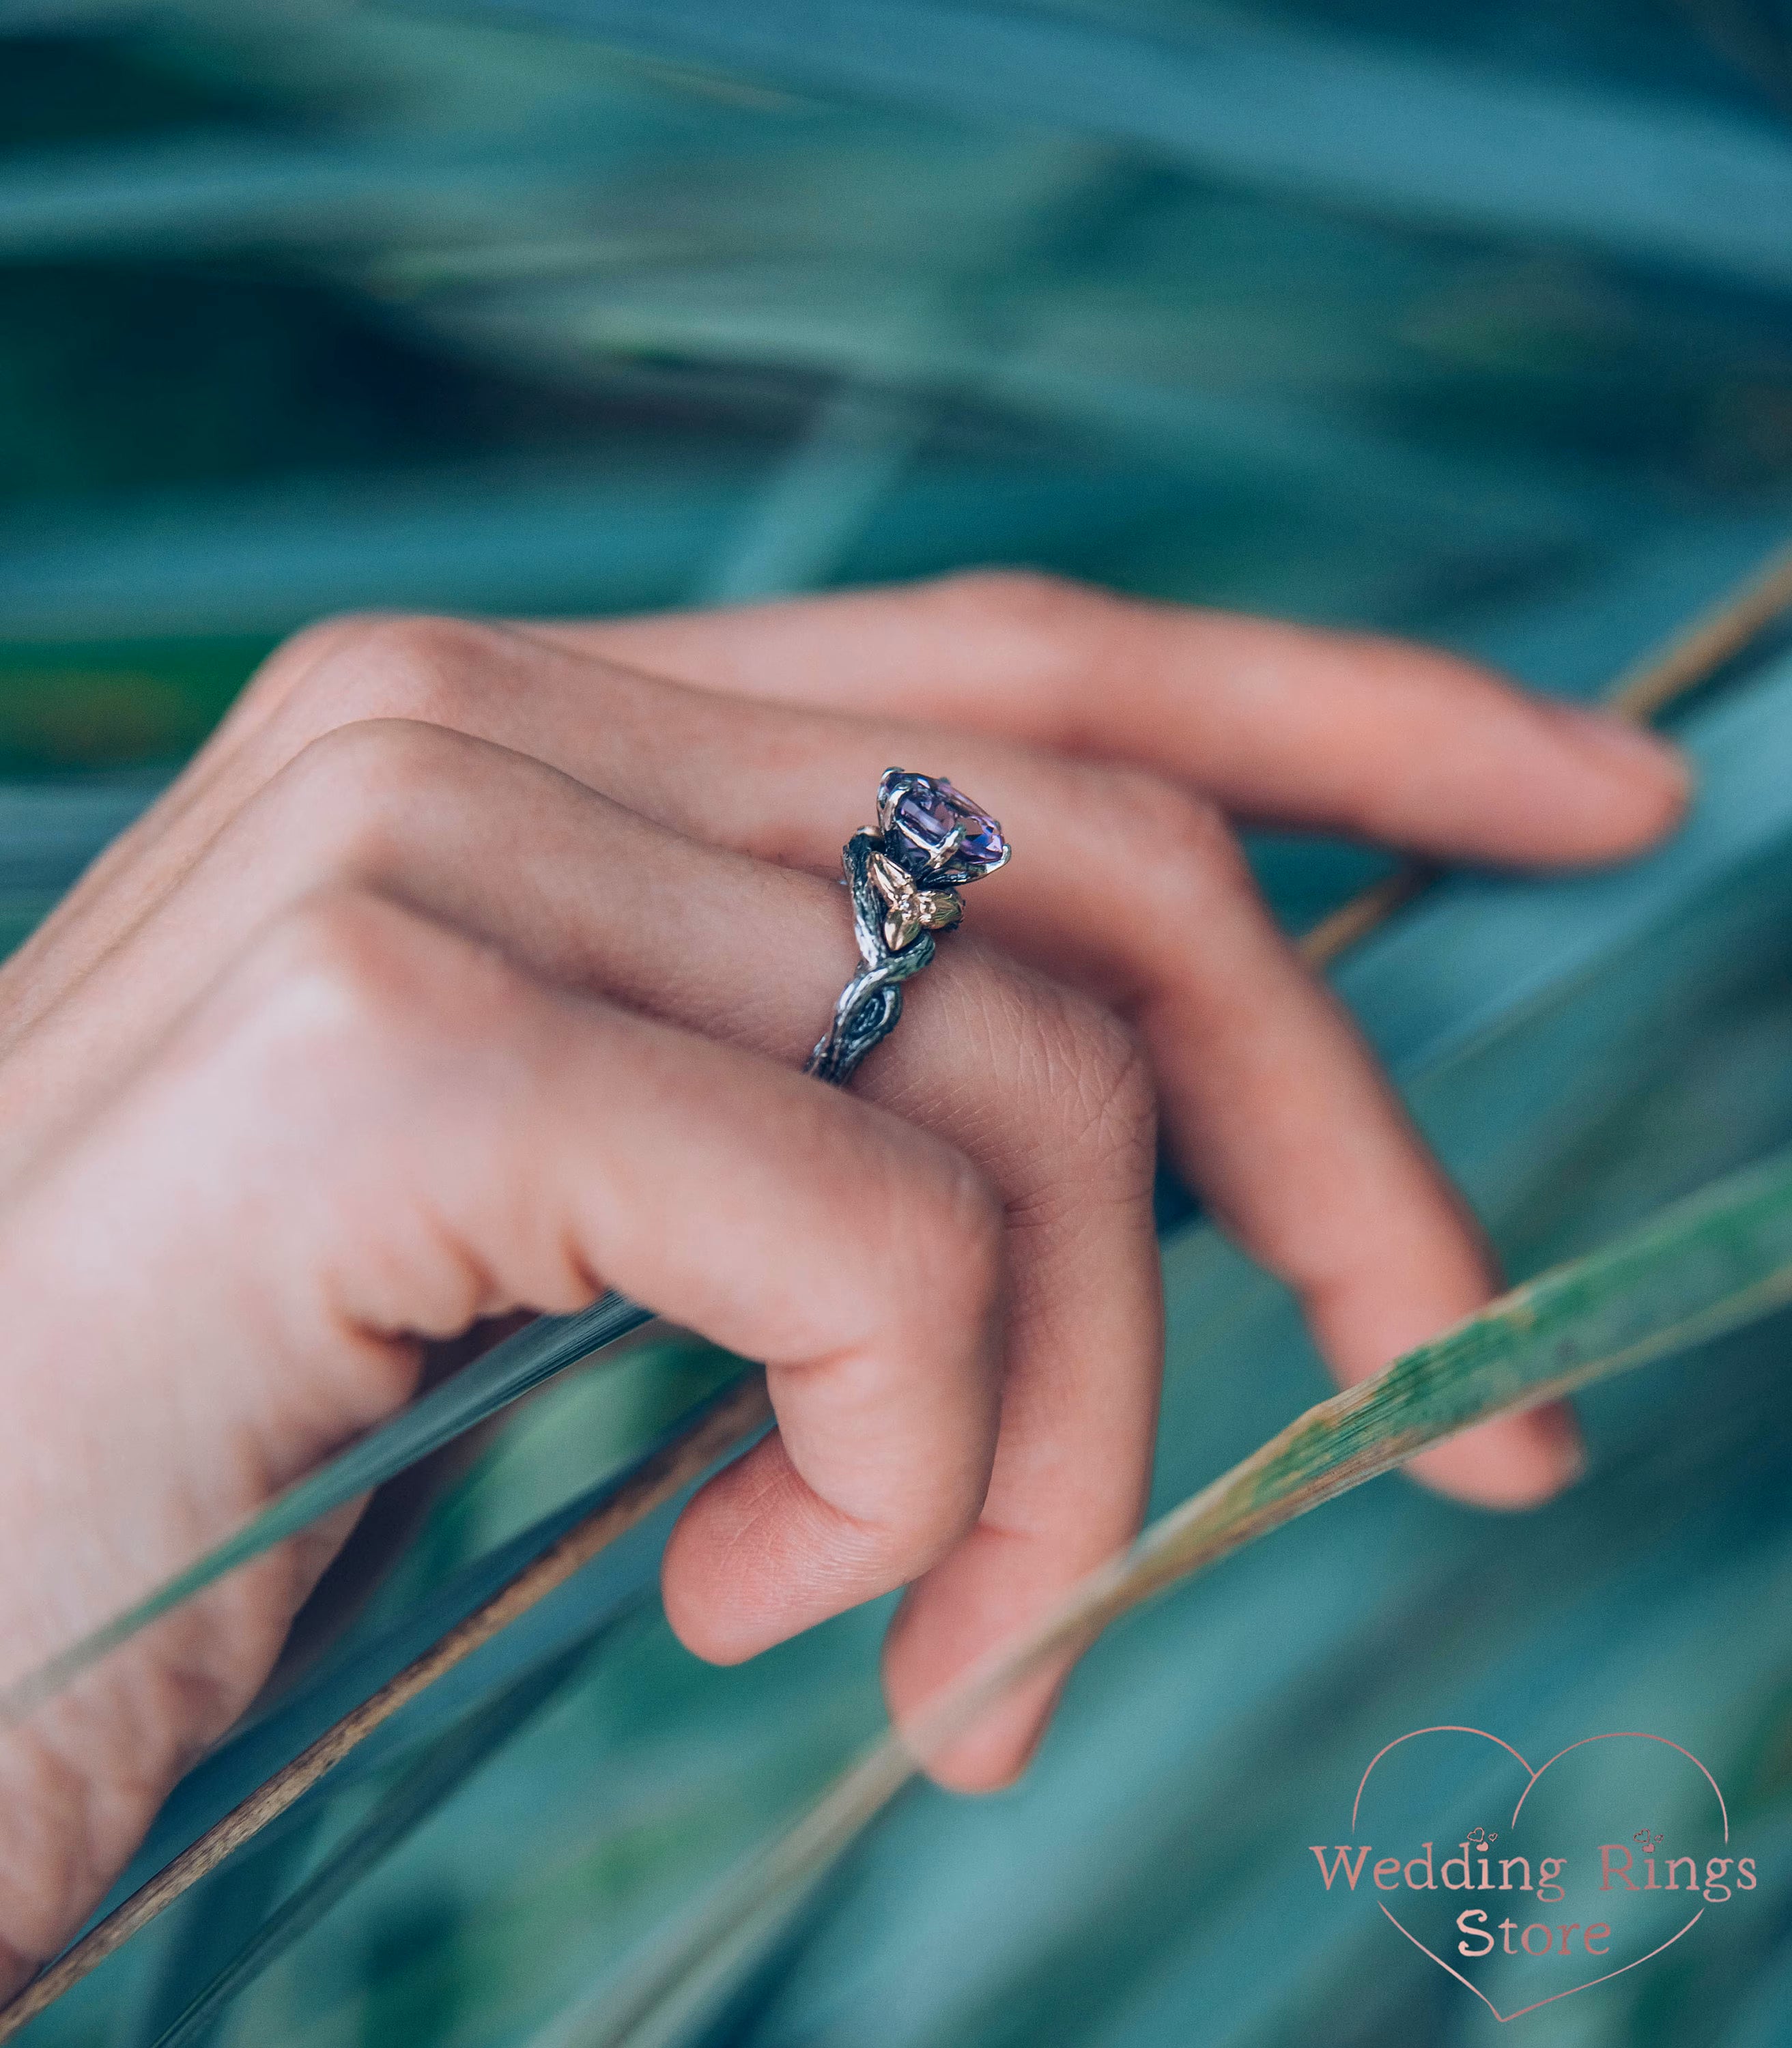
(468, 969)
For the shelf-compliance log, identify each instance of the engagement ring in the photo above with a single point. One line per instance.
(904, 879)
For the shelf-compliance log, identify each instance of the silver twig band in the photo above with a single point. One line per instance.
(904, 879)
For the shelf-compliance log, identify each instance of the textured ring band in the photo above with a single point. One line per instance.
(904, 879)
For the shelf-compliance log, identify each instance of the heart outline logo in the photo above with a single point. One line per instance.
(1612, 1734)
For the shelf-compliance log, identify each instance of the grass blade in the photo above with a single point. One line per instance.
(741, 1408)
(1705, 1265)
(416, 1795)
(218, 1921)
(1292, 109)
(504, 1375)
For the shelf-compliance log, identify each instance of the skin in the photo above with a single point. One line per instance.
(469, 970)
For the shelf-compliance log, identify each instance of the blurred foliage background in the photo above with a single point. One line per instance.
(1473, 323)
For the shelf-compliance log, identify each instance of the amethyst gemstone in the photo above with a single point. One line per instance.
(928, 814)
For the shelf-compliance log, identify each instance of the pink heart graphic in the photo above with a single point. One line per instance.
(1615, 1735)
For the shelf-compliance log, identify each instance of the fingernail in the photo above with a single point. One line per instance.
(1620, 743)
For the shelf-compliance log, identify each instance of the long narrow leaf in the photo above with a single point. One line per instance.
(208, 1929)
(1297, 109)
(417, 1795)
(362, 1665)
(1709, 1265)
(504, 1375)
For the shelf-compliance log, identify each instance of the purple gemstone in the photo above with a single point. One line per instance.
(926, 817)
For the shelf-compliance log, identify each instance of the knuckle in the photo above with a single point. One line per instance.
(299, 656)
(1046, 627)
(1185, 832)
(390, 666)
(1189, 842)
(319, 642)
(1043, 634)
(1025, 598)
(1195, 858)
(352, 794)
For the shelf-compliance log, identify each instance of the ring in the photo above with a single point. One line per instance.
(904, 879)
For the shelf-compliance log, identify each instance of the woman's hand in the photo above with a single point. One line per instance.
(469, 968)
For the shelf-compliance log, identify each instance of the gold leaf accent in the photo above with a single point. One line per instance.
(912, 909)
(901, 927)
(891, 882)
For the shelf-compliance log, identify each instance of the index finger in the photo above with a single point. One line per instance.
(1374, 738)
